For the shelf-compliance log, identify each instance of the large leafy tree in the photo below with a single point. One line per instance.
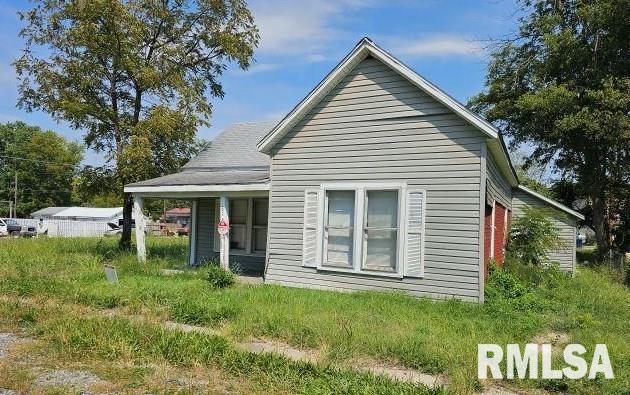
(44, 163)
(135, 75)
(563, 85)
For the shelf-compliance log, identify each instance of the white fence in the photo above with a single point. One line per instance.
(68, 228)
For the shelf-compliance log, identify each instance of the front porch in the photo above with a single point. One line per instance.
(243, 249)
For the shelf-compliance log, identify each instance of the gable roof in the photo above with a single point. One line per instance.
(551, 202)
(48, 211)
(363, 49)
(90, 212)
(234, 147)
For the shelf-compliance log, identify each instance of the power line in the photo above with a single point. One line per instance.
(37, 190)
(40, 161)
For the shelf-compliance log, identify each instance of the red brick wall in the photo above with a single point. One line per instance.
(487, 234)
(499, 232)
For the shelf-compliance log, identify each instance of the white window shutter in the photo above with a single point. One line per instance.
(311, 228)
(414, 251)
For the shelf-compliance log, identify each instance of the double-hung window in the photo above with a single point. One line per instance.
(339, 228)
(365, 228)
(381, 231)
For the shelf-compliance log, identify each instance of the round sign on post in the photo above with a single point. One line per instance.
(223, 227)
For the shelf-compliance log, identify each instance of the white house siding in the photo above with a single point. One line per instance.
(564, 222)
(375, 126)
(498, 187)
(206, 222)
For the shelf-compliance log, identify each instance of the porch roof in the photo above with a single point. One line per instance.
(230, 163)
(205, 180)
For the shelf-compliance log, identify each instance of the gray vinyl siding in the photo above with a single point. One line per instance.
(567, 224)
(204, 233)
(375, 126)
(498, 187)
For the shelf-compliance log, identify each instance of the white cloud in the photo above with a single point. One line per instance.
(315, 57)
(262, 68)
(443, 45)
(301, 28)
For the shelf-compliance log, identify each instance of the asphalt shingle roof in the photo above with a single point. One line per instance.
(235, 147)
(231, 158)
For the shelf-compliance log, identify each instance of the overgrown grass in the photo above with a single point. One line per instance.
(435, 337)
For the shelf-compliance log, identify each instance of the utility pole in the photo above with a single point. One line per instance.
(15, 196)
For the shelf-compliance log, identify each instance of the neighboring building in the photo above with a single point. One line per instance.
(178, 215)
(47, 213)
(97, 214)
(564, 219)
(377, 180)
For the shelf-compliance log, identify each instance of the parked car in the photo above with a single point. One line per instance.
(9, 226)
(114, 230)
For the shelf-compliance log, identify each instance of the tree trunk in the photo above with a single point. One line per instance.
(125, 239)
(600, 226)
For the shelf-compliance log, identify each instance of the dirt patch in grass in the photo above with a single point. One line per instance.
(495, 389)
(7, 340)
(398, 373)
(79, 379)
(557, 340)
(260, 346)
(554, 338)
(176, 326)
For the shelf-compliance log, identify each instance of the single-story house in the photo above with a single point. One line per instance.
(178, 215)
(376, 180)
(47, 212)
(95, 214)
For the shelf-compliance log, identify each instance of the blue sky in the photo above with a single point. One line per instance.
(302, 40)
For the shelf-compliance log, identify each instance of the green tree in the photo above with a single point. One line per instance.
(97, 186)
(44, 163)
(563, 85)
(533, 234)
(134, 75)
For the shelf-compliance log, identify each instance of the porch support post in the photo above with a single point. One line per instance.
(224, 249)
(140, 227)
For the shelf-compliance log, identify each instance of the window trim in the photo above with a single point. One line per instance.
(360, 190)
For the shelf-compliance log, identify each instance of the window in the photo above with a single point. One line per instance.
(373, 229)
(238, 224)
(380, 231)
(248, 226)
(259, 225)
(339, 228)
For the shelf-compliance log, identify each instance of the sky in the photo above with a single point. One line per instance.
(301, 41)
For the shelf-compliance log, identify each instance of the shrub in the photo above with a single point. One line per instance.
(532, 235)
(504, 284)
(219, 277)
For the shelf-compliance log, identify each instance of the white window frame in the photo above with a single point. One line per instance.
(360, 212)
(248, 251)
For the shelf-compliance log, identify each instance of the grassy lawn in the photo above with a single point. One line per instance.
(54, 291)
